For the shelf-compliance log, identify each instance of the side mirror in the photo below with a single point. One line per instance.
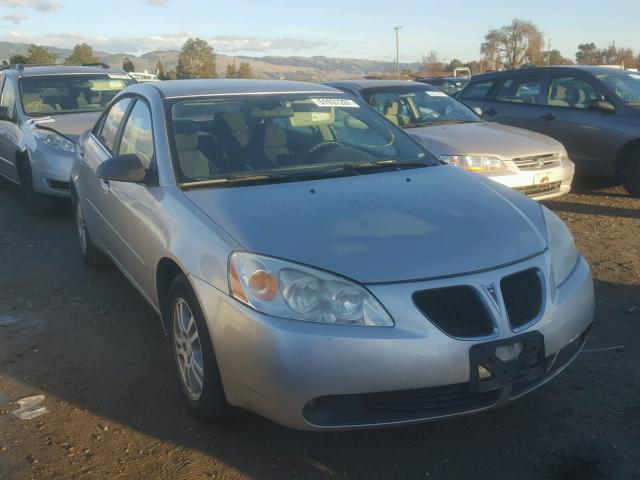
(5, 114)
(602, 105)
(123, 168)
(478, 111)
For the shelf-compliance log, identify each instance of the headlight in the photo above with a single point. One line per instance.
(59, 142)
(475, 163)
(288, 290)
(562, 247)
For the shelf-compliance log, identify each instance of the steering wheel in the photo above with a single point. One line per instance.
(320, 147)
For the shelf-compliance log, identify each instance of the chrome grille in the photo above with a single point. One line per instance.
(537, 162)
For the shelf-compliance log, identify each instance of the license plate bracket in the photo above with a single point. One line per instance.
(510, 361)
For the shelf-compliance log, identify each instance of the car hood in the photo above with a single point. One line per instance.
(484, 138)
(382, 227)
(71, 125)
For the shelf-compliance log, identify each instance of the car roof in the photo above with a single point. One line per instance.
(366, 84)
(37, 71)
(593, 69)
(202, 88)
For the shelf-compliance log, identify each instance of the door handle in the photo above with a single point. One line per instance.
(548, 117)
(491, 112)
(105, 185)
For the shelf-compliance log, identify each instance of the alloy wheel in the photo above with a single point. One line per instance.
(188, 350)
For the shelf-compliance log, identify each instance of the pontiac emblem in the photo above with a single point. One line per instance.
(493, 293)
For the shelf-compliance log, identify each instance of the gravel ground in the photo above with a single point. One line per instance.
(86, 341)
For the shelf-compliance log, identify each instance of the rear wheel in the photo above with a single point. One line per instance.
(197, 369)
(91, 255)
(630, 172)
(37, 203)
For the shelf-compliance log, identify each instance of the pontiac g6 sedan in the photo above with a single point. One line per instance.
(315, 264)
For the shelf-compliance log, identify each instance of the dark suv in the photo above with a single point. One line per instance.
(593, 111)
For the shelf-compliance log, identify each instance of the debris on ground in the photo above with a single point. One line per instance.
(30, 407)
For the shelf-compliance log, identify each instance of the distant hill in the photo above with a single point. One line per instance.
(316, 68)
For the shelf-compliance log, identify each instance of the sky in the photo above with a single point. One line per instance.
(352, 29)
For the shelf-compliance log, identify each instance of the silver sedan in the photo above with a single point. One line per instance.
(315, 264)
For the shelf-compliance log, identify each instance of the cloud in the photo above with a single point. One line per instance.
(172, 41)
(158, 3)
(233, 43)
(14, 18)
(43, 5)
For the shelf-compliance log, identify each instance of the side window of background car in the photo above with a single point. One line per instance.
(478, 91)
(8, 98)
(572, 92)
(137, 137)
(111, 123)
(525, 89)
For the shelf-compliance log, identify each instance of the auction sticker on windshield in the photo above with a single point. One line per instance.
(436, 94)
(335, 102)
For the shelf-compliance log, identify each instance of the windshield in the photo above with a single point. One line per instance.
(283, 136)
(416, 107)
(626, 86)
(51, 95)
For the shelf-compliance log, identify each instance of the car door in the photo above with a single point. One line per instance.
(93, 191)
(9, 129)
(568, 117)
(127, 207)
(517, 100)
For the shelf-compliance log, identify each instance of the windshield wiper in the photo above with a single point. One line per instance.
(396, 164)
(231, 179)
(451, 121)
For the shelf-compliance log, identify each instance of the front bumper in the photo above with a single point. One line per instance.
(285, 370)
(539, 184)
(51, 170)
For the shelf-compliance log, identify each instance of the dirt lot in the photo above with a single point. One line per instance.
(90, 344)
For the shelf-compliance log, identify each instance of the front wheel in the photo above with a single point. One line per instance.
(197, 369)
(630, 172)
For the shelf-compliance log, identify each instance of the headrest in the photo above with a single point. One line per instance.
(274, 135)
(392, 107)
(231, 122)
(186, 142)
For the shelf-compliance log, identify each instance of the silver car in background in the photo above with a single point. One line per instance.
(43, 112)
(315, 264)
(528, 162)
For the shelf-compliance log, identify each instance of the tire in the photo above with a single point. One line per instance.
(196, 366)
(630, 172)
(91, 255)
(37, 203)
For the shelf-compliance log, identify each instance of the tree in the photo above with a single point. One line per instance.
(37, 55)
(82, 54)
(127, 65)
(516, 44)
(244, 71)
(453, 64)
(232, 71)
(432, 63)
(556, 58)
(589, 54)
(489, 49)
(18, 58)
(196, 60)
(160, 71)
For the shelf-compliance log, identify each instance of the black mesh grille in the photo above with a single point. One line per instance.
(522, 293)
(458, 311)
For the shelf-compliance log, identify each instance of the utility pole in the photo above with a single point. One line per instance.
(549, 53)
(397, 29)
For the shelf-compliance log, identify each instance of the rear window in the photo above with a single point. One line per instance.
(49, 94)
(478, 91)
(520, 90)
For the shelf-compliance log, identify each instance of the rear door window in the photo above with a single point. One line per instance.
(8, 98)
(478, 91)
(520, 89)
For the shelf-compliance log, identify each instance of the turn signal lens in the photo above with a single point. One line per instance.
(263, 285)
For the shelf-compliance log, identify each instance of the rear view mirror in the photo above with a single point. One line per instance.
(602, 105)
(123, 168)
(5, 114)
(478, 111)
